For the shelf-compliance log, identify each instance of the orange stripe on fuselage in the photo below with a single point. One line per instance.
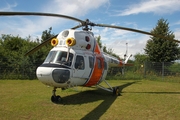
(120, 63)
(97, 72)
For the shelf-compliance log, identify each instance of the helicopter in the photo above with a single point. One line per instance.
(76, 58)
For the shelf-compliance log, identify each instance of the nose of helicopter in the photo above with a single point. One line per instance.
(53, 76)
(44, 75)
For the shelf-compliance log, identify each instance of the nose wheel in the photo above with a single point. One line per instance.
(54, 98)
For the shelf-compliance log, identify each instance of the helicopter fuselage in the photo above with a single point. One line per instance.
(79, 64)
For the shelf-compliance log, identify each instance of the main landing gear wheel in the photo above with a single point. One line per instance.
(54, 98)
(116, 91)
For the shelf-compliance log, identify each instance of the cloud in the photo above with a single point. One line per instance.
(152, 6)
(177, 34)
(116, 39)
(74, 7)
(7, 6)
(25, 26)
(135, 45)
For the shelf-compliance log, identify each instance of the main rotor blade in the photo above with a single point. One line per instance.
(40, 45)
(40, 14)
(78, 26)
(135, 30)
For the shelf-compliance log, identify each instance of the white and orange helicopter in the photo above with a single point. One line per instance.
(76, 58)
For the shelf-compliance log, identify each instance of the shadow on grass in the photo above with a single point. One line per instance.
(91, 96)
(157, 92)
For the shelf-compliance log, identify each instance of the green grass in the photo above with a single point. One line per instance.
(30, 100)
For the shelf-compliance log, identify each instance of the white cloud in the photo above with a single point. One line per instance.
(177, 34)
(34, 25)
(8, 6)
(154, 6)
(176, 30)
(117, 39)
(135, 45)
(73, 7)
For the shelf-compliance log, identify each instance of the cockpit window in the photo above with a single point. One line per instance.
(63, 58)
(50, 56)
(59, 57)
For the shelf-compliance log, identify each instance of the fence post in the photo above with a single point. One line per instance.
(145, 69)
(162, 70)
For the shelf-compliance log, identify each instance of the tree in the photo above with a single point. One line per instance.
(98, 39)
(162, 50)
(46, 34)
(13, 63)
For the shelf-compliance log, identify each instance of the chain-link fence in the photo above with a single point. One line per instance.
(164, 71)
(19, 72)
(168, 71)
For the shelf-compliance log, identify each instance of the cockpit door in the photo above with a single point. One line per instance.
(79, 66)
(89, 60)
(82, 66)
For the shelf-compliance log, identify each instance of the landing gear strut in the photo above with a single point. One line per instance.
(115, 90)
(54, 98)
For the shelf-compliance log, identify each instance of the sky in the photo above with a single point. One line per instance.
(136, 14)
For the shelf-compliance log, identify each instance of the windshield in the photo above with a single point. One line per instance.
(50, 56)
(59, 57)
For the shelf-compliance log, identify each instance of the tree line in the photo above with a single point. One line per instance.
(13, 61)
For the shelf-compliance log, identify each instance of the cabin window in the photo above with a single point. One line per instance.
(79, 63)
(99, 63)
(91, 61)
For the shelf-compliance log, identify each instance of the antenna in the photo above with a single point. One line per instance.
(126, 54)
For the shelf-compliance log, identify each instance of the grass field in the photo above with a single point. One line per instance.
(30, 100)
